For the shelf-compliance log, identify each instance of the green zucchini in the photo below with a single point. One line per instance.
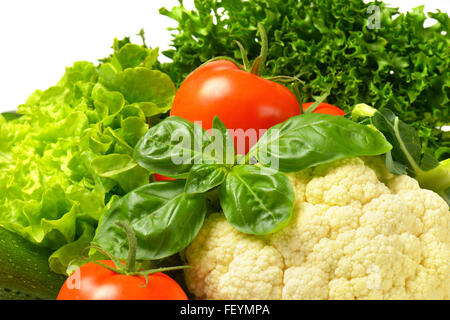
(24, 270)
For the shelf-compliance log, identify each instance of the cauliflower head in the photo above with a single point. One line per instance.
(357, 232)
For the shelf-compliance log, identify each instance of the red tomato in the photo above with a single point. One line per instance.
(325, 108)
(240, 99)
(159, 177)
(94, 282)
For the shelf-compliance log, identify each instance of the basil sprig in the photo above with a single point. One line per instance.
(255, 198)
(164, 218)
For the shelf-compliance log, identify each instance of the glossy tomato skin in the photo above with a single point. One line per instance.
(240, 99)
(94, 282)
(325, 108)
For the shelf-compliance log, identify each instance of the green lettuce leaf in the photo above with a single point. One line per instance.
(67, 153)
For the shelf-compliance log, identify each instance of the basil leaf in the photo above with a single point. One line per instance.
(257, 200)
(223, 141)
(164, 218)
(204, 177)
(311, 139)
(172, 147)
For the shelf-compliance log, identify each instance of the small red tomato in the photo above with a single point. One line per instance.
(94, 282)
(159, 177)
(246, 103)
(325, 108)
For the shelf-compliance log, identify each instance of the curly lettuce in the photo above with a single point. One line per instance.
(402, 65)
(68, 153)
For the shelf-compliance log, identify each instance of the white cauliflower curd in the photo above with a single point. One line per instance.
(357, 232)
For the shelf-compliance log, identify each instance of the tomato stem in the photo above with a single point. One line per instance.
(298, 96)
(244, 55)
(256, 67)
(115, 270)
(317, 102)
(322, 97)
(284, 79)
(130, 266)
(264, 48)
(114, 259)
(225, 58)
(146, 273)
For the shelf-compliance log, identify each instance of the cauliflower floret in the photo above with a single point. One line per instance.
(220, 273)
(357, 232)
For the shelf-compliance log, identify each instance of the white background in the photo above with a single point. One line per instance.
(39, 38)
